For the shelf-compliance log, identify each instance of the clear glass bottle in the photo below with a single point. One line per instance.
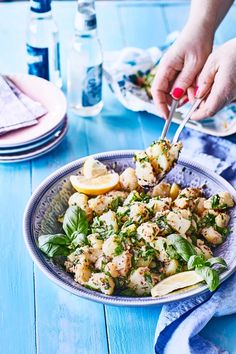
(84, 71)
(42, 41)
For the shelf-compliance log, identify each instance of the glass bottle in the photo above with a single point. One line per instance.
(42, 42)
(84, 73)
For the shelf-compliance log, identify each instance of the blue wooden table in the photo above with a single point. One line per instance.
(36, 316)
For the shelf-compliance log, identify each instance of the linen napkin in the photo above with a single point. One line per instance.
(17, 110)
(179, 323)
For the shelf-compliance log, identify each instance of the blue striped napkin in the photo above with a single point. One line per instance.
(179, 323)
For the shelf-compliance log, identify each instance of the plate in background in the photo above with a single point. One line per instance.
(33, 145)
(51, 97)
(38, 151)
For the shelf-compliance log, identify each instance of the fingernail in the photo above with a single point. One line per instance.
(177, 93)
(196, 91)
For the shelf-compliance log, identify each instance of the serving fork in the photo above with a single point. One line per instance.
(186, 118)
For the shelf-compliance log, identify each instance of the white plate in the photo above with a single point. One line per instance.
(51, 97)
(35, 144)
(36, 152)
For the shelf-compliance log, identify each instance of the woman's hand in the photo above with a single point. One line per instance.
(181, 65)
(219, 77)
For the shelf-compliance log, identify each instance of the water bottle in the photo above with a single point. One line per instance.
(84, 72)
(42, 41)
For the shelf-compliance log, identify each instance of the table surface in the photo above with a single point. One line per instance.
(36, 316)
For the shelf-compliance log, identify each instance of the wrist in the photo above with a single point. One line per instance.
(202, 26)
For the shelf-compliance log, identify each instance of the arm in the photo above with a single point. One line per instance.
(183, 62)
(208, 13)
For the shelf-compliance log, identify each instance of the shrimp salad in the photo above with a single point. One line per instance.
(126, 237)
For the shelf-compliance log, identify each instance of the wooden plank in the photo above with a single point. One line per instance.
(17, 320)
(65, 323)
(131, 330)
(115, 128)
(126, 326)
(17, 330)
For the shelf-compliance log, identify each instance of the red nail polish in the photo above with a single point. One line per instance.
(195, 91)
(177, 93)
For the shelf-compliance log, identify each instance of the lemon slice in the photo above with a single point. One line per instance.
(93, 168)
(176, 281)
(95, 186)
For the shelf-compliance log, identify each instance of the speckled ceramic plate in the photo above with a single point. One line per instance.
(50, 200)
(44, 148)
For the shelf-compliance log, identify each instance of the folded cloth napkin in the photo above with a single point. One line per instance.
(180, 322)
(16, 109)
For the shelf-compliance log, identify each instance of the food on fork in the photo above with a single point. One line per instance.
(118, 237)
(153, 164)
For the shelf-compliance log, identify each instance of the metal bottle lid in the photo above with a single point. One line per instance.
(40, 6)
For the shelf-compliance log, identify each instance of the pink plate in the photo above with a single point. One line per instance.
(53, 100)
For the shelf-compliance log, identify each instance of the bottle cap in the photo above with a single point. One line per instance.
(40, 6)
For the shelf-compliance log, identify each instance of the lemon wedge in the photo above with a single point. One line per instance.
(176, 281)
(93, 168)
(96, 185)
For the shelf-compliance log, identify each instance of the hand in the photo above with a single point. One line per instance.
(219, 76)
(180, 65)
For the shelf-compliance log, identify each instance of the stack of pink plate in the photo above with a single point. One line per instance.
(27, 143)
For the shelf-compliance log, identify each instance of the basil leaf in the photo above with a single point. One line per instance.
(182, 246)
(210, 276)
(196, 261)
(216, 260)
(75, 220)
(78, 239)
(170, 250)
(54, 245)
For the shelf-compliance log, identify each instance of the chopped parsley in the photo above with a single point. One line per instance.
(116, 203)
(222, 230)
(150, 252)
(215, 201)
(148, 278)
(118, 250)
(208, 220)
